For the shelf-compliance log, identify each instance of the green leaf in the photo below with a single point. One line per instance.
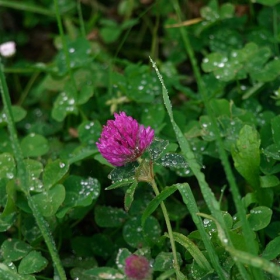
(18, 114)
(53, 172)
(164, 261)
(80, 192)
(108, 217)
(7, 166)
(6, 273)
(272, 249)
(35, 167)
(269, 181)
(157, 148)
(275, 128)
(172, 160)
(65, 103)
(153, 205)
(123, 254)
(123, 172)
(32, 263)
(89, 132)
(49, 201)
(34, 145)
(104, 273)
(120, 184)
(129, 195)
(101, 245)
(135, 235)
(272, 151)
(79, 54)
(14, 249)
(267, 2)
(246, 155)
(260, 217)
(85, 94)
(193, 250)
(153, 116)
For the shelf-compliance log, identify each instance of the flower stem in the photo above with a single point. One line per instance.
(169, 229)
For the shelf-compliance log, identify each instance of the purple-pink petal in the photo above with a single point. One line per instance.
(124, 140)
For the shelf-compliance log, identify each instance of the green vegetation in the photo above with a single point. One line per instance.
(203, 200)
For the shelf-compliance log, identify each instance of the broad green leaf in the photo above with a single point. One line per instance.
(18, 114)
(101, 245)
(135, 235)
(272, 151)
(123, 172)
(35, 167)
(246, 155)
(50, 200)
(153, 116)
(14, 249)
(259, 217)
(89, 132)
(65, 103)
(105, 273)
(7, 166)
(249, 60)
(7, 221)
(129, 195)
(157, 148)
(80, 192)
(269, 181)
(110, 33)
(32, 263)
(122, 255)
(193, 250)
(79, 54)
(164, 261)
(267, 2)
(108, 217)
(172, 160)
(153, 205)
(53, 172)
(85, 93)
(272, 249)
(6, 273)
(34, 145)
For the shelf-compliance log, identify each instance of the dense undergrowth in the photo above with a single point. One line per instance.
(204, 201)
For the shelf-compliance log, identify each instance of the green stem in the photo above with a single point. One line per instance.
(23, 178)
(81, 20)
(170, 232)
(220, 145)
(64, 44)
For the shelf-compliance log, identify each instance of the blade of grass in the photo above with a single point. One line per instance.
(64, 44)
(248, 232)
(23, 178)
(207, 193)
(190, 202)
(26, 7)
(245, 257)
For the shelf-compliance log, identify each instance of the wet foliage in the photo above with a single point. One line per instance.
(205, 75)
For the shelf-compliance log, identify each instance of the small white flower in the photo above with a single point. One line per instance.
(8, 49)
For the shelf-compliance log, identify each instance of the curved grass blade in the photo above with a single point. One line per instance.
(153, 205)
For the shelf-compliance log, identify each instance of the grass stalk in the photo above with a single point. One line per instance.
(170, 232)
(248, 232)
(23, 178)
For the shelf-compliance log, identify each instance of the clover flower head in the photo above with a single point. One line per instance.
(124, 140)
(8, 49)
(137, 268)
